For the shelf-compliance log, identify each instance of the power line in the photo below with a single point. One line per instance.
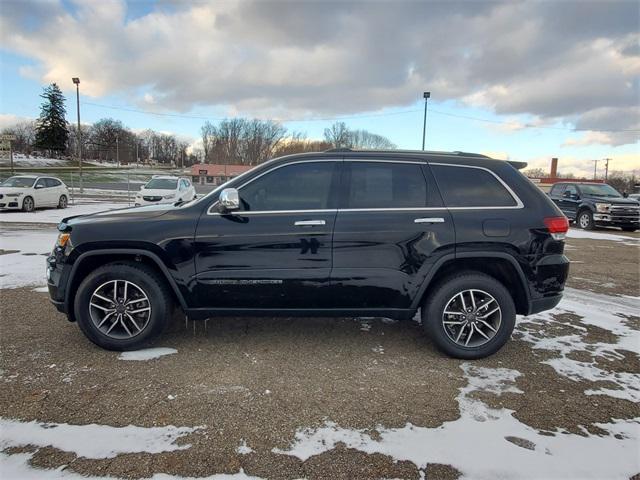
(369, 115)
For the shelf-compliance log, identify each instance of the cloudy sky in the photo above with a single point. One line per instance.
(527, 80)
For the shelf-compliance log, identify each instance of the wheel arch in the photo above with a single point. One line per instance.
(88, 261)
(502, 266)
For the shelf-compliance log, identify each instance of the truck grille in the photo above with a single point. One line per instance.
(625, 212)
(152, 199)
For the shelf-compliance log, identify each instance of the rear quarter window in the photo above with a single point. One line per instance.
(471, 187)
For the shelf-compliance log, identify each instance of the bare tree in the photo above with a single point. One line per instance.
(338, 135)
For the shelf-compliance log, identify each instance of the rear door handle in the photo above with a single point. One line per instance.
(309, 223)
(429, 220)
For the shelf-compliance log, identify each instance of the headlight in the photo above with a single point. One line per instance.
(13, 194)
(169, 196)
(63, 240)
(603, 207)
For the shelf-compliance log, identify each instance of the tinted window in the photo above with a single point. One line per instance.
(52, 182)
(557, 189)
(301, 186)
(386, 185)
(41, 183)
(20, 182)
(571, 190)
(471, 187)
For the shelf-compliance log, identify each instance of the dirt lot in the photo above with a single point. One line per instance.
(337, 398)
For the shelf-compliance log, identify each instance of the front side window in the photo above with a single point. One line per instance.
(386, 185)
(300, 186)
(471, 187)
(557, 189)
(571, 191)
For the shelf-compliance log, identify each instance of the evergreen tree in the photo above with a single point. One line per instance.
(52, 132)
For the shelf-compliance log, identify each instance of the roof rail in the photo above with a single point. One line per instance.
(338, 150)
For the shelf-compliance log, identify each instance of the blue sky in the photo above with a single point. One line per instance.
(381, 94)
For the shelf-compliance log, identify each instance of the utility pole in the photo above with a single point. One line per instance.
(76, 81)
(137, 157)
(595, 168)
(117, 151)
(606, 169)
(426, 96)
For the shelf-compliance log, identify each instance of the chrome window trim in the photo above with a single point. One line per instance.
(519, 204)
(312, 160)
(515, 197)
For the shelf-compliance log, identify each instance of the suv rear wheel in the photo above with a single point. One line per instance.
(122, 306)
(469, 316)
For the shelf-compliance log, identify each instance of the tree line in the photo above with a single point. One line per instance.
(240, 141)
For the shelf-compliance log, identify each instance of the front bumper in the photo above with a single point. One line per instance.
(612, 219)
(550, 274)
(10, 203)
(57, 276)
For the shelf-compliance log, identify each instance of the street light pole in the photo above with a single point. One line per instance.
(76, 81)
(606, 169)
(426, 96)
(595, 168)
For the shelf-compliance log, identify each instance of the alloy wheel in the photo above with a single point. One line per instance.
(27, 204)
(63, 202)
(120, 309)
(584, 220)
(471, 318)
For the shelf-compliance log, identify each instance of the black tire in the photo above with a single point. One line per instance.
(63, 201)
(585, 220)
(28, 204)
(149, 281)
(629, 229)
(434, 306)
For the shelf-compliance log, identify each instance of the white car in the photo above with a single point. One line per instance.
(165, 189)
(28, 192)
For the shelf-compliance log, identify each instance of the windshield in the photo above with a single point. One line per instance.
(162, 184)
(20, 182)
(599, 190)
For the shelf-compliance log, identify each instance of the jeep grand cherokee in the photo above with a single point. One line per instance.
(466, 239)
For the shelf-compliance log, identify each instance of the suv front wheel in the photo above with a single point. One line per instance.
(469, 316)
(122, 306)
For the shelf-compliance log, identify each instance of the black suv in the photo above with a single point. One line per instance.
(596, 204)
(467, 239)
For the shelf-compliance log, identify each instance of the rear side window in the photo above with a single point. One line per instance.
(52, 182)
(471, 187)
(301, 186)
(557, 189)
(385, 185)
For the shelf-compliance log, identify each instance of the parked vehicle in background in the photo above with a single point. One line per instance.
(165, 189)
(28, 192)
(635, 196)
(596, 204)
(465, 238)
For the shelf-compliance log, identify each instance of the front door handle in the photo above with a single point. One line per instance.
(429, 220)
(309, 223)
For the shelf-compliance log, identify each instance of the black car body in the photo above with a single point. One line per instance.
(338, 233)
(596, 204)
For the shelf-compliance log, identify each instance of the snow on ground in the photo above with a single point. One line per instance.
(54, 215)
(487, 443)
(25, 263)
(602, 235)
(20, 160)
(17, 467)
(147, 354)
(93, 441)
(601, 311)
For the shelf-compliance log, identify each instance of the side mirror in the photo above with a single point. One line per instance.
(566, 194)
(39, 186)
(229, 199)
(625, 194)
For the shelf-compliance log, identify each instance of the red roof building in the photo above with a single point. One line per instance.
(216, 174)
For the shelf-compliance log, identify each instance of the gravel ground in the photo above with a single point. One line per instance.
(258, 381)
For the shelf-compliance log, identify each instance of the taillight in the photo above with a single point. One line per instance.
(557, 226)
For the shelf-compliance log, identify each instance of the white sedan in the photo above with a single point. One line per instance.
(166, 189)
(28, 192)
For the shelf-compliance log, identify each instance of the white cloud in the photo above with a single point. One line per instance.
(553, 61)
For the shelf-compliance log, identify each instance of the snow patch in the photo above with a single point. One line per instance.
(481, 435)
(17, 466)
(55, 215)
(92, 441)
(146, 354)
(243, 448)
(25, 265)
(590, 234)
